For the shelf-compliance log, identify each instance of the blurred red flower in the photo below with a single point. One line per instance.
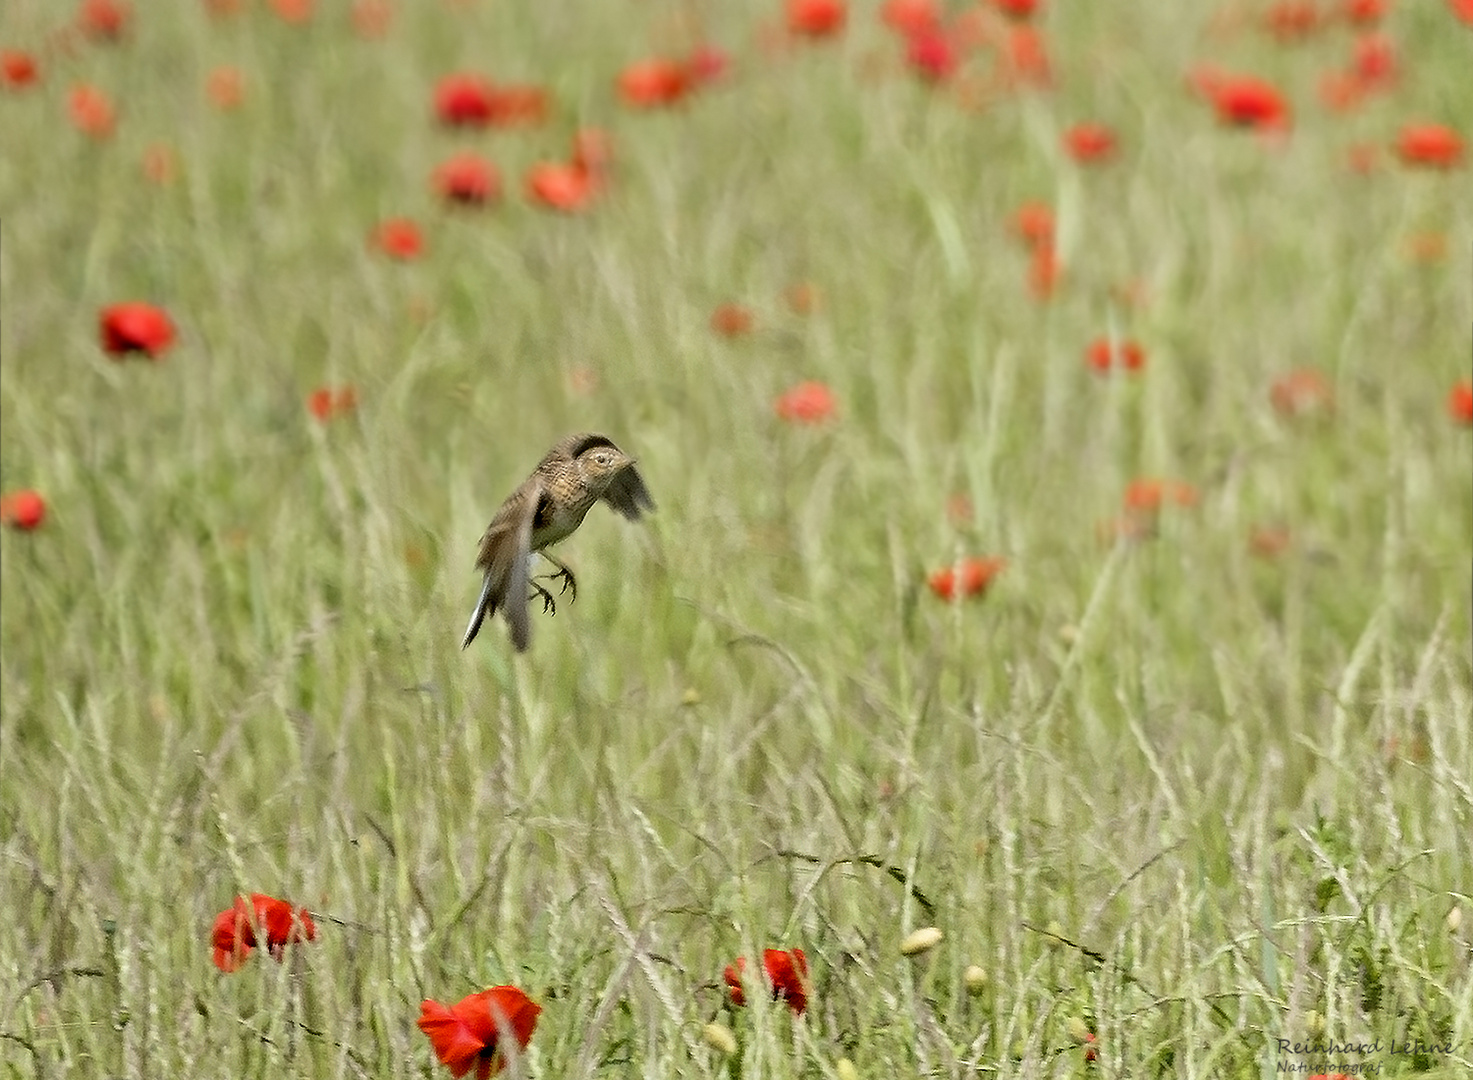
(327, 402)
(467, 1035)
(967, 577)
(399, 238)
(911, 17)
(18, 69)
(1289, 20)
(807, 403)
(652, 83)
(91, 111)
(292, 11)
(1147, 495)
(159, 163)
(464, 99)
(1248, 101)
(242, 927)
(1373, 63)
(568, 188)
(103, 20)
(1302, 392)
(593, 151)
(468, 178)
(706, 63)
(1463, 9)
(931, 55)
(372, 18)
(136, 327)
(1460, 402)
(802, 297)
(1044, 271)
(1432, 145)
(24, 510)
(731, 320)
(816, 18)
(226, 87)
(1034, 222)
(518, 105)
(1018, 9)
(1104, 354)
(1027, 59)
(1090, 142)
(1365, 12)
(787, 974)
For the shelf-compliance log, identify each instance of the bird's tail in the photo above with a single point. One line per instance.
(485, 606)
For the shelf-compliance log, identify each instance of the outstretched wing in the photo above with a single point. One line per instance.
(628, 495)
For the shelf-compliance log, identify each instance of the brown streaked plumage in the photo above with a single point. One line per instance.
(547, 507)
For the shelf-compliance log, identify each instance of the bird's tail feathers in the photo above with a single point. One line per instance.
(485, 607)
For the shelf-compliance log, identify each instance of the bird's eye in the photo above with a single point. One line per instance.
(602, 458)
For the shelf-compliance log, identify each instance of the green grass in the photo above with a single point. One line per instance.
(1239, 789)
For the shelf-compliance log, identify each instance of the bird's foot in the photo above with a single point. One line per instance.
(570, 584)
(548, 605)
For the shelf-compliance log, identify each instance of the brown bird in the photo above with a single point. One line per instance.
(547, 507)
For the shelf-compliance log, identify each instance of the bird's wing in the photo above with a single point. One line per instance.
(506, 556)
(628, 495)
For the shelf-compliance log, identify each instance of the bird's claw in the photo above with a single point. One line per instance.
(548, 606)
(568, 582)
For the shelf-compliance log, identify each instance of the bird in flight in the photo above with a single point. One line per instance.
(547, 507)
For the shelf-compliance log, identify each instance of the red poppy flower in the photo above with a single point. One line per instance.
(226, 87)
(932, 56)
(1432, 145)
(91, 111)
(1247, 101)
(1463, 9)
(372, 18)
(787, 974)
(1374, 61)
(806, 403)
(731, 320)
(292, 11)
(136, 327)
(159, 163)
(1365, 12)
(593, 151)
(1034, 222)
(1104, 354)
(1147, 495)
(1289, 20)
(1089, 142)
(468, 178)
(802, 297)
(706, 63)
(967, 577)
(653, 83)
(1302, 392)
(399, 238)
(518, 105)
(816, 18)
(1460, 402)
(467, 1035)
(1044, 271)
(911, 17)
(18, 69)
(568, 188)
(241, 927)
(1027, 59)
(1019, 9)
(464, 100)
(104, 20)
(24, 510)
(327, 402)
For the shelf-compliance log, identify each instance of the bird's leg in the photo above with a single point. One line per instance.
(569, 582)
(548, 607)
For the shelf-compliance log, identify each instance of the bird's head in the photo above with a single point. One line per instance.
(600, 464)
